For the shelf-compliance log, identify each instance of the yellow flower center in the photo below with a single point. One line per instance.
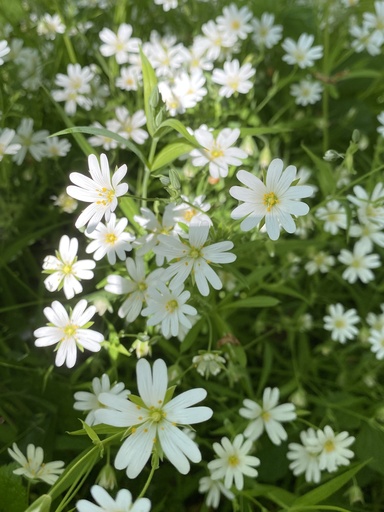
(235, 24)
(67, 269)
(70, 330)
(171, 305)
(270, 199)
(340, 323)
(234, 84)
(233, 460)
(142, 286)
(189, 214)
(157, 415)
(329, 446)
(107, 194)
(195, 253)
(110, 238)
(265, 416)
(76, 83)
(216, 153)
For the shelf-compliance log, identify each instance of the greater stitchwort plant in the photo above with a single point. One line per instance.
(192, 238)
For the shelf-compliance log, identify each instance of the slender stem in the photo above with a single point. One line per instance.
(70, 50)
(144, 490)
(147, 172)
(325, 100)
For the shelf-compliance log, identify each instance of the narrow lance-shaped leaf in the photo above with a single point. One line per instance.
(324, 491)
(170, 153)
(150, 85)
(93, 130)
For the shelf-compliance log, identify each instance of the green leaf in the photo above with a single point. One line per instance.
(262, 301)
(93, 130)
(323, 492)
(13, 494)
(42, 504)
(93, 436)
(279, 496)
(264, 130)
(361, 73)
(150, 85)
(370, 443)
(80, 466)
(180, 128)
(169, 153)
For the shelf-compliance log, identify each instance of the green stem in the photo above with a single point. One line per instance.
(275, 89)
(70, 50)
(325, 100)
(144, 490)
(147, 172)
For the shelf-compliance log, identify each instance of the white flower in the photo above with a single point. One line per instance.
(75, 85)
(55, 147)
(110, 239)
(50, 25)
(334, 216)
(233, 461)
(105, 503)
(369, 233)
(234, 78)
(214, 40)
(276, 200)
(376, 322)
(359, 264)
(65, 270)
(150, 223)
(89, 402)
(129, 79)
(341, 323)
(269, 416)
(69, 332)
(4, 50)
(218, 152)
(306, 92)
(66, 203)
(6, 148)
(168, 309)
(167, 4)
(129, 126)
(264, 32)
(189, 89)
(32, 465)
(305, 457)
(365, 39)
(30, 141)
(380, 118)
(134, 288)
(320, 262)
(235, 21)
(101, 191)
(105, 140)
(214, 489)
(376, 21)
(376, 339)
(120, 44)
(333, 448)
(154, 421)
(193, 256)
(191, 212)
(369, 206)
(208, 363)
(301, 52)
(164, 54)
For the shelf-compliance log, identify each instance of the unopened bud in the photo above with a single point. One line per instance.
(107, 477)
